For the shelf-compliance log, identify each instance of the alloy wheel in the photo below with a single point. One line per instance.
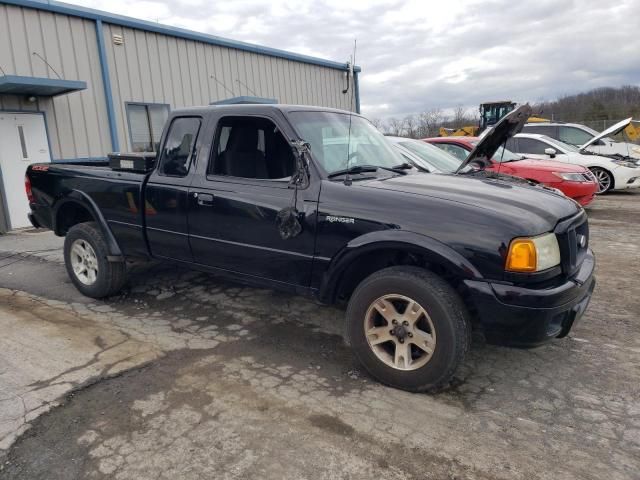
(604, 180)
(400, 332)
(84, 262)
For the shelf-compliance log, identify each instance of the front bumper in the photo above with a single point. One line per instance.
(581, 192)
(626, 177)
(526, 317)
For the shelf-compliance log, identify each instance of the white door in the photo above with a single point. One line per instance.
(23, 140)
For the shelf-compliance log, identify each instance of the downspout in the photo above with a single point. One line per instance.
(106, 81)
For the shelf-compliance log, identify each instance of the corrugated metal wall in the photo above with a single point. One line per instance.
(148, 67)
(156, 68)
(77, 122)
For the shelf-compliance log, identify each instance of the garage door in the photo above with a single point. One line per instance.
(23, 140)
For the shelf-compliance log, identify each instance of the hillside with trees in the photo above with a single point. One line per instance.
(598, 108)
(605, 103)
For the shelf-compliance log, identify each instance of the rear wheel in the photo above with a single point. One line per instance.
(85, 257)
(408, 328)
(604, 178)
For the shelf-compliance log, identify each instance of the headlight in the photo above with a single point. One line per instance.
(533, 254)
(571, 177)
(625, 163)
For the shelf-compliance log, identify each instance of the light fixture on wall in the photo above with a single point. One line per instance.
(47, 64)
(31, 99)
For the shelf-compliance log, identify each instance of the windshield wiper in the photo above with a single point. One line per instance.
(363, 169)
(403, 166)
(354, 169)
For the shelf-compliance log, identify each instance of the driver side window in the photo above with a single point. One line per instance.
(251, 147)
(531, 146)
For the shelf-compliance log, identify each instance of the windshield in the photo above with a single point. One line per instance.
(328, 135)
(503, 155)
(440, 159)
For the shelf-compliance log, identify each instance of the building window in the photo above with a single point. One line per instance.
(146, 121)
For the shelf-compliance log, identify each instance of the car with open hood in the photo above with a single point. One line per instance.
(613, 172)
(574, 181)
(317, 202)
(582, 136)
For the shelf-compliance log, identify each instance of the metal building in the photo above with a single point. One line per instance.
(77, 83)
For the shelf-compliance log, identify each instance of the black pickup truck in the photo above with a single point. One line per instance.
(316, 201)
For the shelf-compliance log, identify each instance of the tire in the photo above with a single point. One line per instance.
(604, 179)
(94, 275)
(442, 315)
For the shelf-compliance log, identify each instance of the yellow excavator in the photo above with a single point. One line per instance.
(633, 131)
(491, 112)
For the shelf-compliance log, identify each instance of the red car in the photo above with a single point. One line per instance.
(575, 181)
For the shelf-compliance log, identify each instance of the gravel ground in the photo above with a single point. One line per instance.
(185, 376)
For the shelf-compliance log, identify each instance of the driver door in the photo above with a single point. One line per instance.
(234, 204)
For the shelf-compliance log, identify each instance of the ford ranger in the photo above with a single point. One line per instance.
(317, 202)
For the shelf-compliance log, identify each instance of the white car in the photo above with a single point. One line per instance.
(424, 156)
(611, 173)
(581, 135)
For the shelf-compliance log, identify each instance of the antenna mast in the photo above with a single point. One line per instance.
(347, 178)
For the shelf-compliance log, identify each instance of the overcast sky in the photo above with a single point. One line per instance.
(418, 55)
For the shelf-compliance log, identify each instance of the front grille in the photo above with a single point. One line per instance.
(588, 176)
(573, 239)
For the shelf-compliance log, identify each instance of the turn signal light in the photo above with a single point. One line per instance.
(522, 256)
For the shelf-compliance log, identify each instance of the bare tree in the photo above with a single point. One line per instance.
(378, 123)
(460, 117)
(429, 123)
(396, 126)
(411, 126)
(601, 105)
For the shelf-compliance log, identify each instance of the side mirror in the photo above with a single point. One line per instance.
(551, 152)
(300, 178)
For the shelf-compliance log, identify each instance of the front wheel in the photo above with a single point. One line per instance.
(85, 257)
(408, 328)
(604, 179)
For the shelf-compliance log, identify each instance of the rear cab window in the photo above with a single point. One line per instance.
(178, 150)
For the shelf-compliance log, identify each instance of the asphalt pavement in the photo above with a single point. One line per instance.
(185, 375)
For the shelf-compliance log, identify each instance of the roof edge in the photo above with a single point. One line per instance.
(121, 20)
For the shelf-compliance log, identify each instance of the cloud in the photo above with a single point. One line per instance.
(418, 55)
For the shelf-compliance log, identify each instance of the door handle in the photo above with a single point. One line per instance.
(204, 199)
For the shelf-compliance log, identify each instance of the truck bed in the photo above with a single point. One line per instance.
(117, 196)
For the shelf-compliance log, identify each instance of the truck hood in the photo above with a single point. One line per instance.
(613, 130)
(504, 198)
(496, 136)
